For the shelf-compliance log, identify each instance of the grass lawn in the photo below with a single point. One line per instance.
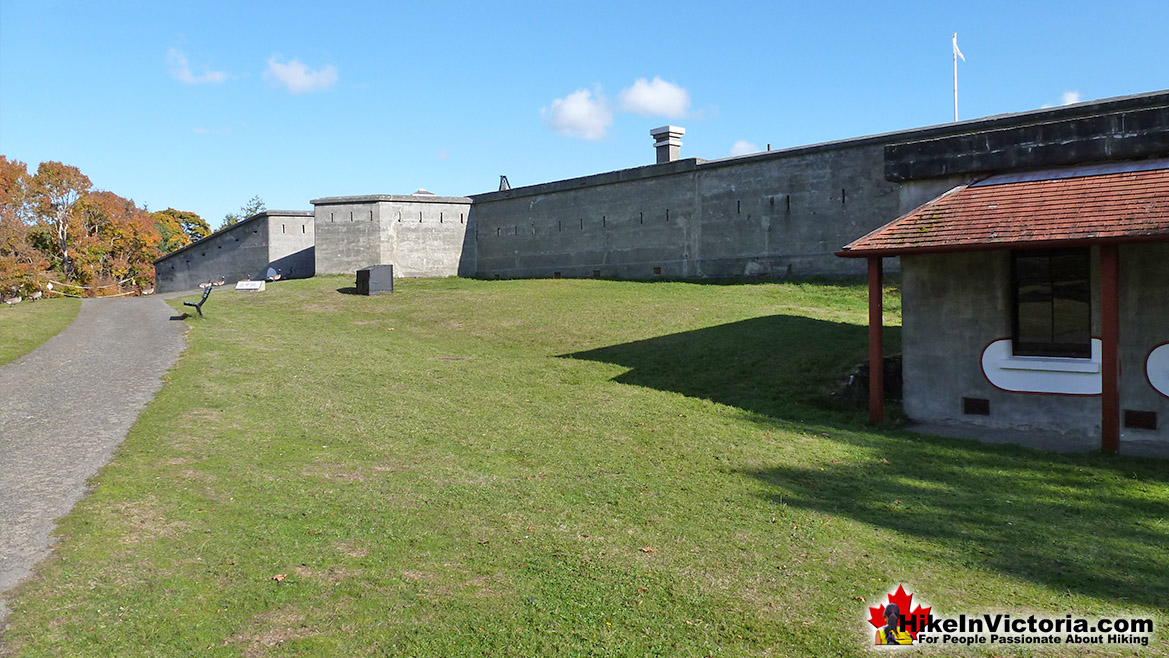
(563, 467)
(24, 326)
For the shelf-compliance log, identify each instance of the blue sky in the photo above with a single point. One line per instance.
(199, 106)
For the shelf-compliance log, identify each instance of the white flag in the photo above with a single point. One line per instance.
(956, 51)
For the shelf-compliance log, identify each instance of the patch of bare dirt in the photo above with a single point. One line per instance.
(268, 630)
(330, 575)
(336, 472)
(353, 547)
(144, 520)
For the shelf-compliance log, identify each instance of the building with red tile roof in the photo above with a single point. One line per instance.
(1034, 300)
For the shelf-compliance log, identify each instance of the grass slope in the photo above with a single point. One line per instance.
(562, 467)
(24, 326)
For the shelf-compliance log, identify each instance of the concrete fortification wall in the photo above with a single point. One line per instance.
(291, 244)
(779, 213)
(419, 234)
(275, 238)
(786, 212)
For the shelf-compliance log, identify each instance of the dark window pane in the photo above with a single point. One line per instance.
(1070, 321)
(1035, 322)
(1053, 312)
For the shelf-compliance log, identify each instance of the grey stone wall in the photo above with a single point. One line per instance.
(1144, 324)
(291, 240)
(785, 212)
(774, 214)
(242, 251)
(419, 234)
(955, 304)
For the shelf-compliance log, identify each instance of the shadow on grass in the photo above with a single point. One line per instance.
(1075, 522)
(348, 290)
(1068, 522)
(779, 366)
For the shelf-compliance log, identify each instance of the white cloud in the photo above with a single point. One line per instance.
(180, 68)
(444, 154)
(655, 98)
(743, 147)
(579, 115)
(1067, 98)
(298, 78)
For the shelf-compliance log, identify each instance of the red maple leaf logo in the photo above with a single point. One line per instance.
(910, 622)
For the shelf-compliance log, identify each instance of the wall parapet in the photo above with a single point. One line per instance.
(1126, 129)
(373, 198)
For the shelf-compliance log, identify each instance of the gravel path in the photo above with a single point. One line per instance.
(64, 407)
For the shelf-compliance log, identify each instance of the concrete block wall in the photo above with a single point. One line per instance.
(291, 243)
(779, 213)
(242, 251)
(788, 213)
(620, 224)
(784, 212)
(955, 304)
(1144, 324)
(419, 234)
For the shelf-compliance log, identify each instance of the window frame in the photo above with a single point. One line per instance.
(1050, 349)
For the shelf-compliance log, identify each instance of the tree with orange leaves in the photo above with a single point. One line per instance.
(53, 192)
(116, 242)
(21, 265)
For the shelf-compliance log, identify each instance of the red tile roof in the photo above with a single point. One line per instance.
(1033, 210)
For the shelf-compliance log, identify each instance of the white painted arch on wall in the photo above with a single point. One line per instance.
(1157, 369)
(1041, 374)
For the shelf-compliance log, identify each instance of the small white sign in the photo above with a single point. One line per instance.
(249, 286)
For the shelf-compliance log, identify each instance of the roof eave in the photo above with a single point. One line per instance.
(893, 252)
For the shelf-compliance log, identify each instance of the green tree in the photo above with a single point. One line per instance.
(179, 228)
(253, 206)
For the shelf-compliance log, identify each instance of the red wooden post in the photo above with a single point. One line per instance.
(1109, 352)
(876, 343)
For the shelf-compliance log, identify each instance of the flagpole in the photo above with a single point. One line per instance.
(955, 76)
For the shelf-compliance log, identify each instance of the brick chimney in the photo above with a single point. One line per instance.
(668, 142)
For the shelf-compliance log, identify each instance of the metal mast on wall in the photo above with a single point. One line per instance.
(957, 54)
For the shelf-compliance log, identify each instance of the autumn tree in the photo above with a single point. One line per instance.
(20, 264)
(53, 192)
(253, 206)
(54, 226)
(179, 228)
(13, 188)
(116, 242)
